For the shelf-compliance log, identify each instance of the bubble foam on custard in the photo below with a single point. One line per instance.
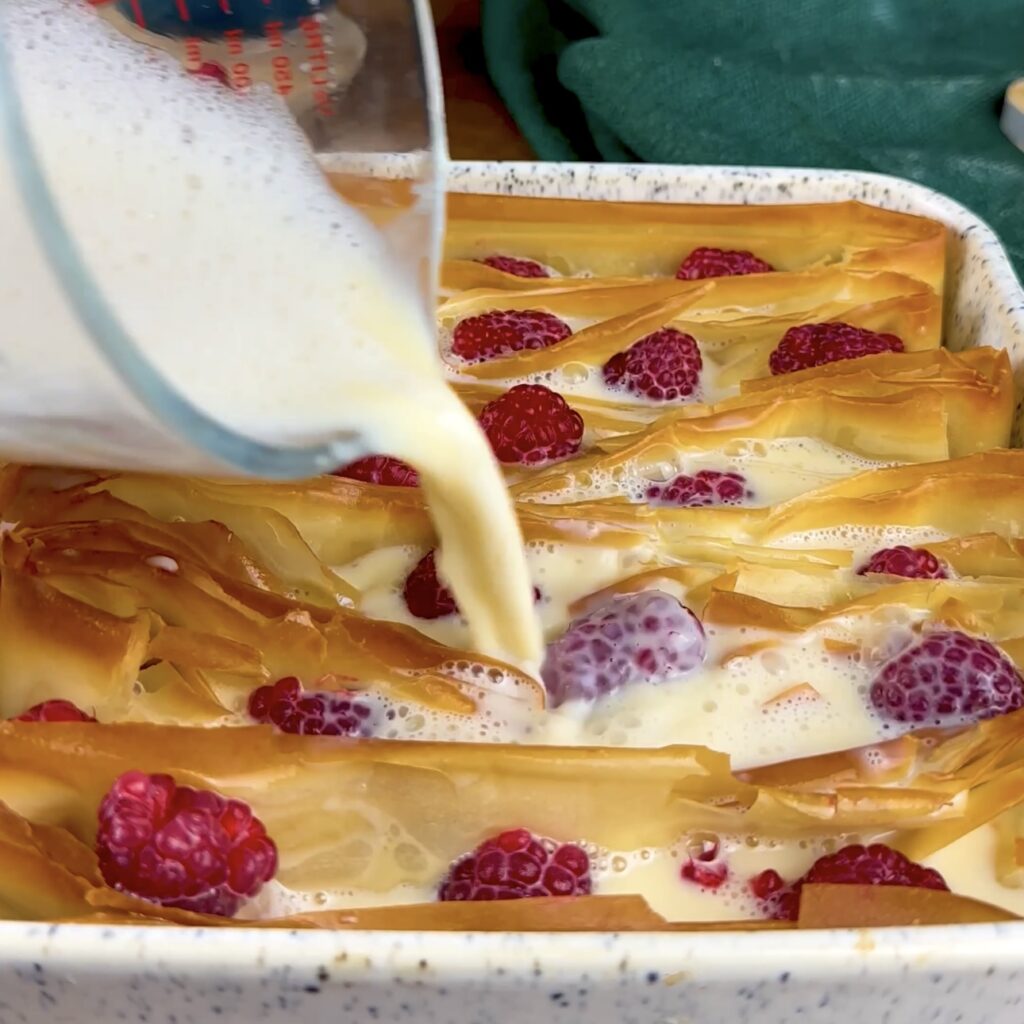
(655, 875)
(786, 697)
(760, 696)
(775, 471)
(862, 540)
(506, 707)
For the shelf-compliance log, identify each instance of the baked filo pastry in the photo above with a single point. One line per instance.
(509, 241)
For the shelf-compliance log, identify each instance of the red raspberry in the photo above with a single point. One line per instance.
(914, 563)
(504, 331)
(707, 262)
(517, 267)
(425, 595)
(877, 864)
(381, 469)
(817, 344)
(662, 366)
(531, 424)
(182, 847)
(707, 487)
(632, 638)
(514, 865)
(948, 678)
(54, 711)
(767, 884)
(315, 713)
(704, 866)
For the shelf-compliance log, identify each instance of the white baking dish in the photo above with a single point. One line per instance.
(969, 973)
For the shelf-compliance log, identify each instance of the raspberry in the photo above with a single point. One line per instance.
(632, 638)
(662, 366)
(817, 344)
(514, 865)
(707, 487)
(502, 332)
(707, 876)
(425, 595)
(381, 469)
(767, 884)
(706, 262)
(704, 866)
(293, 710)
(948, 678)
(182, 847)
(914, 563)
(877, 864)
(517, 267)
(54, 711)
(530, 424)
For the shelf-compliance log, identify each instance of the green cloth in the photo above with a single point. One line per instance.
(905, 87)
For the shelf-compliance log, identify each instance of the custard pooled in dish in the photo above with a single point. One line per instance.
(774, 538)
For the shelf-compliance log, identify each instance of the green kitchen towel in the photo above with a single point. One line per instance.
(905, 87)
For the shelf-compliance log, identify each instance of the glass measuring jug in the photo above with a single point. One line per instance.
(182, 290)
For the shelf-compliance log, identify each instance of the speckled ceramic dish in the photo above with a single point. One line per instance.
(943, 974)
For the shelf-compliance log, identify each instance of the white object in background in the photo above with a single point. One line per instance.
(1012, 121)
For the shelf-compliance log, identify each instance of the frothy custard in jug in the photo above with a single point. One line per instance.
(251, 288)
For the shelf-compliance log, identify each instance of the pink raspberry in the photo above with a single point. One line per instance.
(948, 678)
(504, 331)
(707, 487)
(661, 367)
(877, 864)
(182, 847)
(632, 638)
(914, 563)
(531, 424)
(516, 266)
(708, 262)
(704, 866)
(816, 344)
(381, 469)
(54, 711)
(516, 864)
(286, 705)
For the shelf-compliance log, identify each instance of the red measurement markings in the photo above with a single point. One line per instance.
(193, 53)
(284, 80)
(183, 12)
(275, 37)
(319, 65)
(241, 75)
(284, 77)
